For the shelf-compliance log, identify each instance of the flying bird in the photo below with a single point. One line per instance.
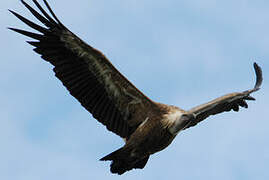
(145, 125)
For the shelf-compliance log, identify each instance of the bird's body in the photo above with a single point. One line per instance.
(146, 126)
(154, 134)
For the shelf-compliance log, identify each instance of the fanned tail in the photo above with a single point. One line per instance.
(122, 162)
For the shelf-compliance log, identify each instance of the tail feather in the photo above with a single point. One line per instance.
(122, 162)
(112, 156)
(141, 163)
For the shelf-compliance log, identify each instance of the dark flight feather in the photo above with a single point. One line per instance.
(85, 72)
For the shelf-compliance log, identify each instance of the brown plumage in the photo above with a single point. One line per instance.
(147, 126)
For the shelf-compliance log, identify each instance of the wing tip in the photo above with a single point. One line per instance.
(11, 11)
(12, 29)
(259, 78)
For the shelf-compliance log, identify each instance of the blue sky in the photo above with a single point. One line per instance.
(177, 52)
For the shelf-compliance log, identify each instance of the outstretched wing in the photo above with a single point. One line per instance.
(87, 73)
(227, 102)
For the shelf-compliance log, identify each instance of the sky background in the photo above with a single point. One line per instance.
(177, 52)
